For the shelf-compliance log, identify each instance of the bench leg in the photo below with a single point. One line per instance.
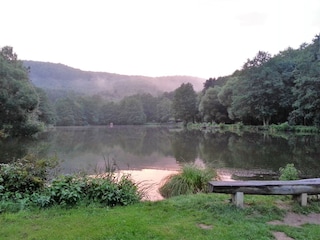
(237, 199)
(304, 199)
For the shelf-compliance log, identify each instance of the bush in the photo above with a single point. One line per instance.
(282, 127)
(67, 190)
(109, 191)
(289, 172)
(24, 176)
(25, 183)
(191, 180)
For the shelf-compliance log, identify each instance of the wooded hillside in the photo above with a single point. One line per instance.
(110, 85)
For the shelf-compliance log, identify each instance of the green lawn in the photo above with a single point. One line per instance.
(202, 216)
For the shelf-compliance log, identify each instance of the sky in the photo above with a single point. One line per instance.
(202, 38)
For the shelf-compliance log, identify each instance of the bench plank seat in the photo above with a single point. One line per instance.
(295, 187)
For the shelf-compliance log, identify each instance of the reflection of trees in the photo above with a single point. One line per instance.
(185, 145)
(132, 139)
(305, 151)
(157, 140)
(258, 151)
(213, 150)
(12, 149)
(137, 145)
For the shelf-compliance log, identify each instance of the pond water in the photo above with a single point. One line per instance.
(235, 155)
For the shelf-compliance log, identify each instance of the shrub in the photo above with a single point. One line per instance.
(25, 183)
(191, 180)
(110, 191)
(289, 172)
(282, 127)
(67, 190)
(25, 176)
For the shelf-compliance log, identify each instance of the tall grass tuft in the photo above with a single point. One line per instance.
(190, 180)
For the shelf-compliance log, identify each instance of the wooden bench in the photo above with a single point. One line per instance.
(297, 188)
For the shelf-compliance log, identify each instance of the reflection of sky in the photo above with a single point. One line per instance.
(149, 180)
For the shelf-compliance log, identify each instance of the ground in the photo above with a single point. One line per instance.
(295, 220)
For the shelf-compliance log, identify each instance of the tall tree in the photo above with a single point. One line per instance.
(164, 110)
(306, 107)
(211, 108)
(46, 110)
(149, 104)
(258, 95)
(18, 97)
(131, 111)
(184, 103)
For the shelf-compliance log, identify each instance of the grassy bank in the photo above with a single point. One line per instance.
(240, 127)
(200, 216)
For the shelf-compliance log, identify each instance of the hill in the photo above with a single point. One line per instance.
(53, 76)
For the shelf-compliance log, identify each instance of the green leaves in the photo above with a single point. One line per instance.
(184, 103)
(26, 181)
(18, 98)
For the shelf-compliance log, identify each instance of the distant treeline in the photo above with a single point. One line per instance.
(267, 90)
(78, 110)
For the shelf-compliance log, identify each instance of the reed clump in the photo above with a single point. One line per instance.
(191, 180)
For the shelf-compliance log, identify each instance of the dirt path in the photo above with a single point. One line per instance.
(295, 220)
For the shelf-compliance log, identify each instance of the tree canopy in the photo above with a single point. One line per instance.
(269, 89)
(266, 90)
(184, 103)
(19, 100)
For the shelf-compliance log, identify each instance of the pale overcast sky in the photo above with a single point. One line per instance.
(204, 38)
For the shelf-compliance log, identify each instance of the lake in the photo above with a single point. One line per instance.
(237, 155)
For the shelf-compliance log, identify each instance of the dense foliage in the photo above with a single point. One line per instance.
(28, 182)
(184, 103)
(137, 109)
(18, 98)
(268, 89)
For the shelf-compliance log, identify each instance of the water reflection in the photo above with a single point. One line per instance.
(137, 148)
(149, 181)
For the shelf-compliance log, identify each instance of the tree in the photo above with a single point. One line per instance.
(164, 110)
(260, 91)
(211, 82)
(184, 103)
(109, 113)
(69, 113)
(131, 111)
(19, 100)
(211, 108)
(149, 104)
(226, 94)
(46, 110)
(306, 90)
(90, 107)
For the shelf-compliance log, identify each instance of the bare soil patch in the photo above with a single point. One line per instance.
(204, 226)
(281, 236)
(295, 220)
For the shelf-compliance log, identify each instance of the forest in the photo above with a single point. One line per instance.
(266, 90)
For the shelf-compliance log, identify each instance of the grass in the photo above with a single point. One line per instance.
(240, 127)
(191, 179)
(174, 218)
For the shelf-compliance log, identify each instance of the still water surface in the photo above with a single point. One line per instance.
(245, 155)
